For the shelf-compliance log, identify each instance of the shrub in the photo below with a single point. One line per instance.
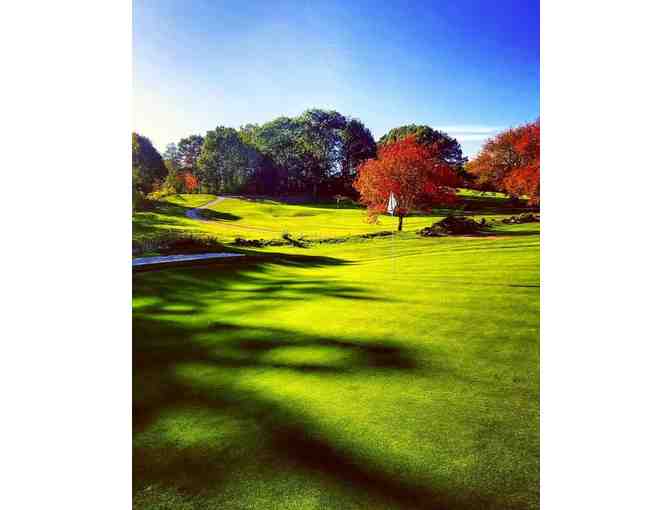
(294, 242)
(301, 242)
(160, 193)
(522, 218)
(178, 243)
(454, 225)
(259, 243)
(287, 240)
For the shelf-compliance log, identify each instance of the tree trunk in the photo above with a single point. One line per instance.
(401, 222)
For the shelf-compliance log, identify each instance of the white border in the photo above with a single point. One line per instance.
(605, 255)
(66, 284)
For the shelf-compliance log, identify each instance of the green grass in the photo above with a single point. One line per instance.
(391, 373)
(268, 219)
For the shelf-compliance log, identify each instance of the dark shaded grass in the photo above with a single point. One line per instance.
(281, 438)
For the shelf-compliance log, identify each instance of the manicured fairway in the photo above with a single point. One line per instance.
(269, 219)
(390, 373)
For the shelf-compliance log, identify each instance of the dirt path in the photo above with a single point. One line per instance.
(194, 214)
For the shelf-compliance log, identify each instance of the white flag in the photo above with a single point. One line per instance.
(392, 204)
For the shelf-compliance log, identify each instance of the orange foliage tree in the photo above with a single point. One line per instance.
(510, 162)
(190, 181)
(417, 175)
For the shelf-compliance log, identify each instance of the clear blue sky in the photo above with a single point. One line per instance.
(469, 67)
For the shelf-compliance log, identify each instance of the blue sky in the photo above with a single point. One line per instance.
(467, 67)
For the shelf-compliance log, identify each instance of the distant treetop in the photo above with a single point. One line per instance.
(449, 148)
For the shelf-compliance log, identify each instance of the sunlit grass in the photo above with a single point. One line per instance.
(390, 373)
(269, 219)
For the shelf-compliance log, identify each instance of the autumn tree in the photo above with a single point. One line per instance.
(190, 182)
(417, 175)
(510, 162)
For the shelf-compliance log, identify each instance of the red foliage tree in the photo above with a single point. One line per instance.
(510, 162)
(190, 181)
(415, 173)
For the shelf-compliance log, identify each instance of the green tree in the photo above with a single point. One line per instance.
(449, 148)
(188, 150)
(173, 182)
(226, 163)
(171, 154)
(147, 163)
(358, 145)
(280, 141)
(135, 187)
(248, 133)
(322, 139)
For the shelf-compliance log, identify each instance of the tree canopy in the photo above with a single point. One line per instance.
(415, 173)
(226, 163)
(148, 166)
(449, 148)
(188, 150)
(510, 162)
(318, 151)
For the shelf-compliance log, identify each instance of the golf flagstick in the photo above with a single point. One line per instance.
(392, 209)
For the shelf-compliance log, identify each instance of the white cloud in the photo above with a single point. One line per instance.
(470, 133)
(470, 136)
(469, 129)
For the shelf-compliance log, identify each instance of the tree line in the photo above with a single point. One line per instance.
(319, 153)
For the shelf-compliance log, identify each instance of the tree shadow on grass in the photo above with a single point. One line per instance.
(291, 440)
(250, 275)
(165, 345)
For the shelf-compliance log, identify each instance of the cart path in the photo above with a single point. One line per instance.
(144, 261)
(194, 214)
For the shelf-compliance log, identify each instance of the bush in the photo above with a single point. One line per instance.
(177, 243)
(161, 193)
(259, 243)
(144, 204)
(287, 240)
(522, 218)
(294, 242)
(454, 225)
(301, 242)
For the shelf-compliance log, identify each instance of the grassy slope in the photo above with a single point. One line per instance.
(266, 219)
(389, 373)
